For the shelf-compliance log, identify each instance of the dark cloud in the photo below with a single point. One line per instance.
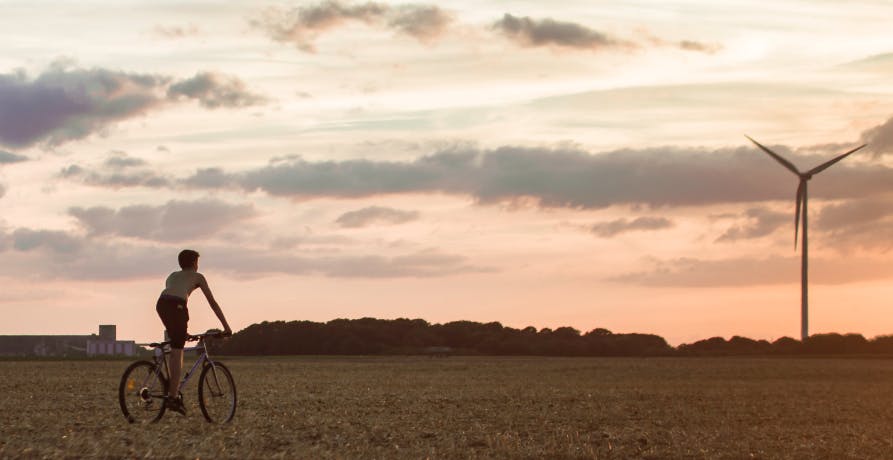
(9, 157)
(616, 227)
(760, 222)
(549, 32)
(173, 221)
(64, 104)
(561, 177)
(213, 90)
(692, 272)
(375, 215)
(303, 25)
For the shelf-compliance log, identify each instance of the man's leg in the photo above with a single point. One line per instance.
(175, 364)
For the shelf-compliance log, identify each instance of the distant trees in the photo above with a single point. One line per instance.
(818, 344)
(370, 336)
(367, 336)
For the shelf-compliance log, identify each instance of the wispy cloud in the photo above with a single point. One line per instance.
(693, 272)
(423, 22)
(547, 32)
(176, 31)
(880, 138)
(375, 215)
(760, 222)
(174, 221)
(64, 255)
(616, 227)
(64, 104)
(531, 32)
(865, 223)
(9, 157)
(213, 90)
(117, 171)
(302, 26)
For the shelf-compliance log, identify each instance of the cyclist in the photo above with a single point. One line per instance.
(171, 308)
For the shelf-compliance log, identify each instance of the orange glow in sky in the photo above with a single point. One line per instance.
(488, 161)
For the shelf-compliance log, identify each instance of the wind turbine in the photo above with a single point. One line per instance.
(801, 205)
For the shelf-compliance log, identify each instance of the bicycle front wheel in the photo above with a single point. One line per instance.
(141, 392)
(217, 393)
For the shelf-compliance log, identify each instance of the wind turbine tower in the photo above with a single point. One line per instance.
(798, 214)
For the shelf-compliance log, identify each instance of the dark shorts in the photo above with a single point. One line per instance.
(174, 314)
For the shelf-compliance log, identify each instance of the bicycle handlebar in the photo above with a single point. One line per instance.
(211, 334)
(194, 338)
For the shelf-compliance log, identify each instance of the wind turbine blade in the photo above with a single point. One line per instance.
(828, 163)
(785, 163)
(797, 212)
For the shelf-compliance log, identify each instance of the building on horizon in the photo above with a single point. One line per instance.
(103, 344)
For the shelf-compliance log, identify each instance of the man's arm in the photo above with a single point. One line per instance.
(203, 284)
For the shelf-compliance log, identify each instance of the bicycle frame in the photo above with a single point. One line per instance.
(161, 357)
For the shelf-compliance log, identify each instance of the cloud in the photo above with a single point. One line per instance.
(173, 221)
(9, 157)
(24, 239)
(549, 32)
(64, 104)
(690, 45)
(760, 222)
(116, 173)
(560, 177)
(120, 160)
(214, 90)
(693, 272)
(58, 254)
(302, 26)
(865, 223)
(616, 227)
(176, 31)
(531, 33)
(879, 138)
(67, 104)
(375, 215)
(423, 22)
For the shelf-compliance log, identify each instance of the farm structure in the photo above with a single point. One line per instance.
(103, 344)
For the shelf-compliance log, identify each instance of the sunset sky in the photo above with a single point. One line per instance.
(572, 163)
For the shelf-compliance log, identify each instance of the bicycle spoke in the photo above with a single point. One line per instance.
(217, 393)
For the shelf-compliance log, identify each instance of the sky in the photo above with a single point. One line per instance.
(546, 164)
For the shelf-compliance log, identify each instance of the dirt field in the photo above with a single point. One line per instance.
(411, 407)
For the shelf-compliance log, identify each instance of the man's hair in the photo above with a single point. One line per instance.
(187, 258)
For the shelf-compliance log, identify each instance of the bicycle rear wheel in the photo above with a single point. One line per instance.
(141, 392)
(217, 393)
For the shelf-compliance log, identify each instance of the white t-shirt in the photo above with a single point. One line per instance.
(182, 283)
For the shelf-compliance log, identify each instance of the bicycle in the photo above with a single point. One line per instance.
(144, 385)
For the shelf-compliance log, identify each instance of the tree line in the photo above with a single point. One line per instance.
(370, 336)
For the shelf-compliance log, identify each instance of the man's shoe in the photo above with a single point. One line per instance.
(175, 404)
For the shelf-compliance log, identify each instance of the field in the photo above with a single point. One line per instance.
(457, 407)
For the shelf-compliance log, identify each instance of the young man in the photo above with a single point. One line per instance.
(172, 310)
